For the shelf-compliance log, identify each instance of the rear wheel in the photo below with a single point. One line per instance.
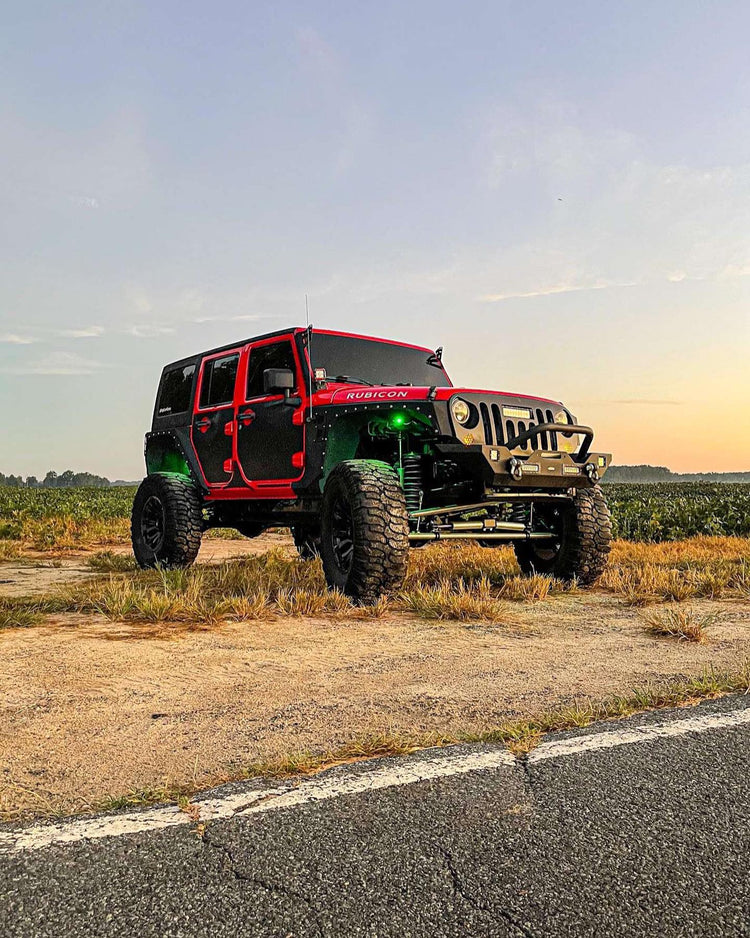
(166, 522)
(583, 538)
(364, 530)
(306, 540)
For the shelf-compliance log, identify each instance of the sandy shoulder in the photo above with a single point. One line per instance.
(91, 709)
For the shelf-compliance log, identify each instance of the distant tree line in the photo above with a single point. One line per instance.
(66, 480)
(662, 474)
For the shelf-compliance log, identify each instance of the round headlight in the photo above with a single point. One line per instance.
(566, 442)
(460, 410)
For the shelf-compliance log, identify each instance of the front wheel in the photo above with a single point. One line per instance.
(583, 538)
(166, 523)
(364, 530)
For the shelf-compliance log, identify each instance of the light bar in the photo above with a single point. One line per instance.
(520, 413)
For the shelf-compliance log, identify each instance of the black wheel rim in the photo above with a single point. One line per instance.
(548, 552)
(342, 534)
(152, 523)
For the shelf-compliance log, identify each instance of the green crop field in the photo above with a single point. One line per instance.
(642, 512)
(669, 511)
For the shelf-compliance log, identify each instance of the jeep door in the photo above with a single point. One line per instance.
(270, 428)
(213, 428)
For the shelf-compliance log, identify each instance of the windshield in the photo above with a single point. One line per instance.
(375, 362)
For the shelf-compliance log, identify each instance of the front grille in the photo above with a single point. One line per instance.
(498, 430)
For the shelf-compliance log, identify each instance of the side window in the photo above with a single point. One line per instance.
(275, 355)
(217, 386)
(174, 395)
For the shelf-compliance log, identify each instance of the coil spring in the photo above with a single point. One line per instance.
(413, 481)
(520, 513)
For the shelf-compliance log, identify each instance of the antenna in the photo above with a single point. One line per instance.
(309, 353)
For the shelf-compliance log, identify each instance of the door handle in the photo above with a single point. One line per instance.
(246, 417)
(203, 424)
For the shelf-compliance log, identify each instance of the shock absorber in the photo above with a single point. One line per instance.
(412, 463)
(519, 513)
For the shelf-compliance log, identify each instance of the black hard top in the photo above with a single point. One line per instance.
(233, 345)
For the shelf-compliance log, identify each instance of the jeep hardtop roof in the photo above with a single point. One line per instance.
(293, 329)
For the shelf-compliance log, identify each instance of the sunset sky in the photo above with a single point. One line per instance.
(558, 193)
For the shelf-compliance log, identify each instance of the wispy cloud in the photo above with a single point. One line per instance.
(85, 201)
(13, 338)
(203, 319)
(611, 214)
(87, 332)
(58, 363)
(148, 330)
(565, 287)
(645, 400)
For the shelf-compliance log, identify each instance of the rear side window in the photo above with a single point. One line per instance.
(275, 355)
(174, 395)
(217, 386)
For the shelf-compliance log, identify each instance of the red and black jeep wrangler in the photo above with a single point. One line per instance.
(363, 447)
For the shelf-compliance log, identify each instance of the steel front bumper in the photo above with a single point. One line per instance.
(521, 467)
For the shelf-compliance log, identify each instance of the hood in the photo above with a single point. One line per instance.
(357, 393)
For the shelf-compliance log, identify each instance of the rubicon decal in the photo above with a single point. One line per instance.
(375, 395)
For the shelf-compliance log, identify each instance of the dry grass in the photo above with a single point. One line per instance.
(448, 599)
(457, 582)
(524, 735)
(702, 567)
(18, 613)
(277, 584)
(681, 623)
(107, 561)
(9, 550)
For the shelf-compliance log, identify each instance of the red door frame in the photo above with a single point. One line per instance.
(278, 488)
(197, 410)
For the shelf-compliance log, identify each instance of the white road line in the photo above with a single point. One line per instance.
(560, 748)
(443, 764)
(389, 776)
(44, 835)
(430, 764)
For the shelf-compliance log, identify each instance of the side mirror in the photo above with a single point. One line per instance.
(278, 381)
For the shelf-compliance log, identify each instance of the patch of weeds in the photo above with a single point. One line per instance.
(529, 588)
(521, 736)
(141, 797)
(680, 623)
(9, 550)
(107, 561)
(457, 600)
(19, 613)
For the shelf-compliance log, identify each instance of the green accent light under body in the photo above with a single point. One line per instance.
(174, 464)
(398, 420)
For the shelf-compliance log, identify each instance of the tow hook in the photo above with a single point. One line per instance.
(592, 472)
(515, 467)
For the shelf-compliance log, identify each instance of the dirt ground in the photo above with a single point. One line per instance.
(91, 709)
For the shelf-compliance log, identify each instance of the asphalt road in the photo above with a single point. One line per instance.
(646, 838)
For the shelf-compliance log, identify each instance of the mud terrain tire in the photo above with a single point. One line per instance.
(166, 523)
(585, 528)
(364, 530)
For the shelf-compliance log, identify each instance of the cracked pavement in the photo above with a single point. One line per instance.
(644, 839)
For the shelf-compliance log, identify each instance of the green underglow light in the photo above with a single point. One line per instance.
(397, 420)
